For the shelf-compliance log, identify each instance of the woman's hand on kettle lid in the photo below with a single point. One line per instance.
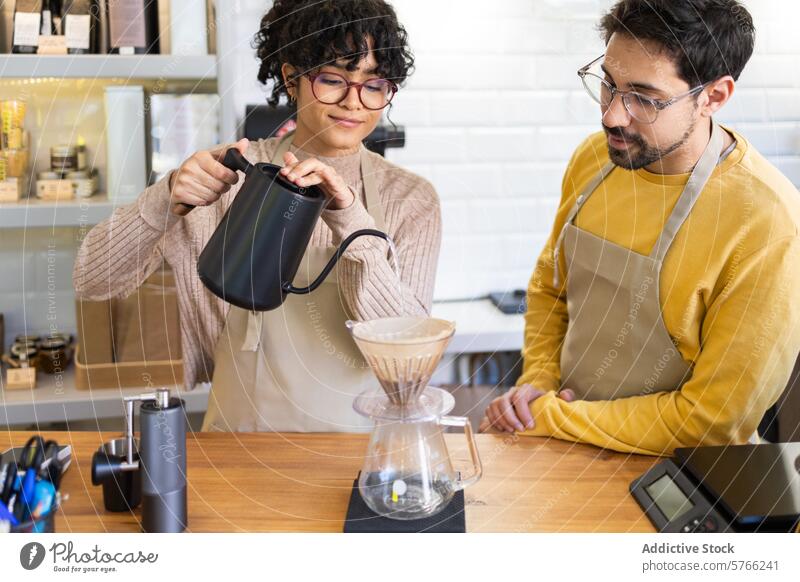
(312, 172)
(511, 411)
(203, 178)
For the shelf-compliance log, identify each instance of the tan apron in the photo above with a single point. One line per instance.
(617, 344)
(295, 368)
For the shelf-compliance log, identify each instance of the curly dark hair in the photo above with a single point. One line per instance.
(707, 39)
(309, 34)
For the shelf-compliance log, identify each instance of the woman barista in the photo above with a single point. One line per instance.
(294, 368)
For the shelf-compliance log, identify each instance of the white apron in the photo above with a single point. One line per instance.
(295, 368)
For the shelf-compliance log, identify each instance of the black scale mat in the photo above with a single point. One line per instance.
(361, 519)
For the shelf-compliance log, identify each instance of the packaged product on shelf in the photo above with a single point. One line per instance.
(55, 186)
(126, 145)
(132, 26)
(14, 153)
(12, 116)
(80, 20)
(27, 26)
(16, 162)
(11, 189)
(179, 126)
(63, 158)
(84, 184)
(21, 369)
(51, 186)
(48, 23)
(187, 27)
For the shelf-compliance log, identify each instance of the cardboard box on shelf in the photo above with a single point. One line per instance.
(67, 189)
(10, 190)
(20, 378)
(131, 341)
(55, 190)
(126, 374)
(94, 331)
(146, 324)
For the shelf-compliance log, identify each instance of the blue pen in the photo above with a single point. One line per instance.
(28, 486)
(32, 458)
(6, 515)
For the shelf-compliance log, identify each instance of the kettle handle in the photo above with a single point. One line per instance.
(289, 288)
(233, 160)
(463, 422)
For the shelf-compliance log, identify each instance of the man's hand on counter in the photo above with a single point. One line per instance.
(512, 411)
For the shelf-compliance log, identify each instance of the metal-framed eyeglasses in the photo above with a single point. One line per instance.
(641, 107)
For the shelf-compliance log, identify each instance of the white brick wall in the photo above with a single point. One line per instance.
(492, 115)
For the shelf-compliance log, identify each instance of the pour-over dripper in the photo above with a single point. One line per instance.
(403, 352)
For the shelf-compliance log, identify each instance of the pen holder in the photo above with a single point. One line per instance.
(122, 490)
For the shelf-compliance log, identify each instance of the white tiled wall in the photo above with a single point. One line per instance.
(492, 116)
(495, 109)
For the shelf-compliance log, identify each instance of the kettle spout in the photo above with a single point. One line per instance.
(289, 288)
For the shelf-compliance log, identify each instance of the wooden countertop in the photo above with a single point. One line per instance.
(302, 482)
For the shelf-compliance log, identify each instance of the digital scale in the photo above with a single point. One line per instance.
(742, 488)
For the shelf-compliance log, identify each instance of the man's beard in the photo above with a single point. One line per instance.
(644, 153)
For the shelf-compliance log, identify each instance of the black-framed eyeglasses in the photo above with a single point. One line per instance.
(332, 88)
(641, 107)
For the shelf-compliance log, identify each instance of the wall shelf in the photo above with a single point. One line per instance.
(108, 66)
(33, 212)
(56, 399)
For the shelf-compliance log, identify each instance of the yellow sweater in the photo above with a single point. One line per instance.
(730, 295)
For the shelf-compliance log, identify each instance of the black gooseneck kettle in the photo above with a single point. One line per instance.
(255, 252)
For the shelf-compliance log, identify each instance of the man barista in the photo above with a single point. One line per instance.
(663, 311)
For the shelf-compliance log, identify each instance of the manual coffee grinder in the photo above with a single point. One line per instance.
(161, 463)
(407, 472)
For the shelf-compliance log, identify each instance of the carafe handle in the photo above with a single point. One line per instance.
(463, 422)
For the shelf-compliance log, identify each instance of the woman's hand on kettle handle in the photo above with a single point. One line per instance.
(511, 411)
(202, 178)
(312, 172)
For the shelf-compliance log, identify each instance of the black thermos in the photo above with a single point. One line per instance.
(162, 455)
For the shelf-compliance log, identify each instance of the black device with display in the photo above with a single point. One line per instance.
(741, 488)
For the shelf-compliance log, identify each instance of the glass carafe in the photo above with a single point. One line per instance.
(407, 472)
